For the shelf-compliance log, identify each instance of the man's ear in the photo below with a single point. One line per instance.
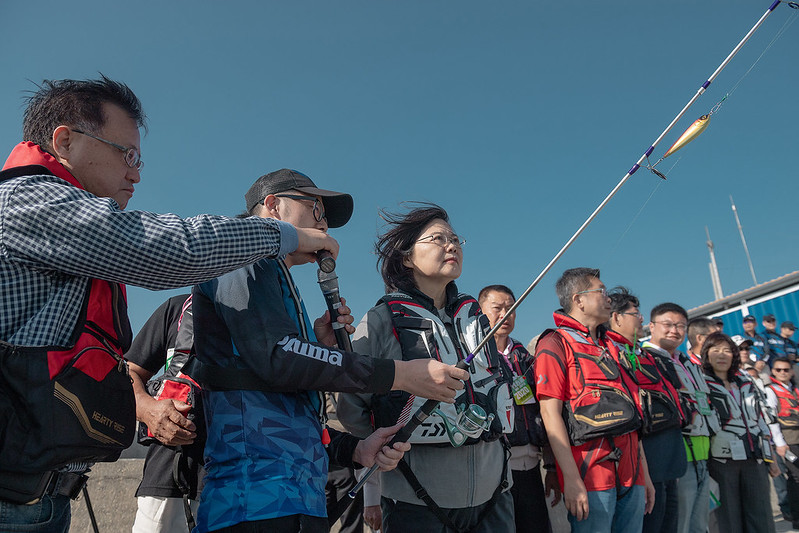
(61, 142)
(270, 207)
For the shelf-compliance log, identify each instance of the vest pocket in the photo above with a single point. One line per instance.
(600, 411)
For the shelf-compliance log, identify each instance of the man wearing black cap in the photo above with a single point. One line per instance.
(263, 362)
(760, 348)
(775, 342)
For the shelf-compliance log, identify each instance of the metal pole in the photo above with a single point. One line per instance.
(714, 269)
(743, 240)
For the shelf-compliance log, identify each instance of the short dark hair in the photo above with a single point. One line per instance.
(496, 288)
(714, 339)
(782, 360)
(699, 326)
(622, 299)
(75, 103)
(397, 241)
(571, 282)
(667, 307)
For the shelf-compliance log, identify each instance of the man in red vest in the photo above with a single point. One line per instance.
(590, 415)
(783, 399)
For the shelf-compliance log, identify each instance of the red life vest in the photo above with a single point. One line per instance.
(657, 398)
(67, 404)
(601, 403)
(788, 414)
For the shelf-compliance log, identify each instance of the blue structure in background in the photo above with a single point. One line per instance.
(779, 297)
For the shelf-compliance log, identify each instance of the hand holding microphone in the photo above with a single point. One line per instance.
(328, 282)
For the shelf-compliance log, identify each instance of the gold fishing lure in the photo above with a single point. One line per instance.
(690, 134)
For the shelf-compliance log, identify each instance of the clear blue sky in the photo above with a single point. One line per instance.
(518, 117)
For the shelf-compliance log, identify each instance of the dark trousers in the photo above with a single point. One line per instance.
(745, 496)
(529, 502)
(340, 481)
(663, 518)
(296, 523)
(401, 517)
(793, 485)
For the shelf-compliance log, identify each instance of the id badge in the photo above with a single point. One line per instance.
(737, 449)
(765, 449)
(702, 404)
(522, 393)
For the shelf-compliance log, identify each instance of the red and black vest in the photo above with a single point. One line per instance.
(74, 403)
(788, 414)
(601, 403)
(657, 398)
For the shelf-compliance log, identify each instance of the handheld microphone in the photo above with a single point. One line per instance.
(328, 282)
(326, 262)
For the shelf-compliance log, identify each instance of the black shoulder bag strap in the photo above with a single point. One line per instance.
(422, 494)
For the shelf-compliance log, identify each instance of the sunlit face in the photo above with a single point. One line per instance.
(99, 167)
(434, 257)
(720, 358)
(628, 323)
(593, 302)
(770, 324)
(668, 330)
(495, 305)
(749, 327)
(786, 332)
(782, 372)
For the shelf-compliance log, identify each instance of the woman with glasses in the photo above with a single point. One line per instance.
(740, 450)
(451, 480)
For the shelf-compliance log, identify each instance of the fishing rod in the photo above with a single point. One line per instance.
(427, 408)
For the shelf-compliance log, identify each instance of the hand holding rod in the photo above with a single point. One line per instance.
(407, 430)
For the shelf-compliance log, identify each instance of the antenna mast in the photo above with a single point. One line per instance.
(714, 270)
(743, 240)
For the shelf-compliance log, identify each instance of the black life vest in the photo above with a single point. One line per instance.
(69, 404)
(604, 407)
(529, 426)
(422, 334)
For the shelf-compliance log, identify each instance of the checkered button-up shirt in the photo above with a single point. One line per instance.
(54, 237)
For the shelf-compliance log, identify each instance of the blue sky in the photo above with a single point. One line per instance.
(517, 117)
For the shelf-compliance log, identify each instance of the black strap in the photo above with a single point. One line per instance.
(422, 494)
(180, 464)
(90, 510)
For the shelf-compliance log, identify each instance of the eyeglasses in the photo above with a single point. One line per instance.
(132, 155)
(672, 325)
(318, 207)
(602, 290)
(637, 314)
(781, 369)
(443, 240)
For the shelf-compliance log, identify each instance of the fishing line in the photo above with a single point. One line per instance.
(630, 225)
(699, 125)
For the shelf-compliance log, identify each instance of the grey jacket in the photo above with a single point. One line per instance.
(454, 477)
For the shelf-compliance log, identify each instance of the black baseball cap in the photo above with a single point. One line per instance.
(338, 205)
(750, 318)
(788, 325)
(769, 318)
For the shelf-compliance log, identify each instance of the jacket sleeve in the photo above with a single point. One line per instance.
(133, 247)
(240, 320)
(373, 335)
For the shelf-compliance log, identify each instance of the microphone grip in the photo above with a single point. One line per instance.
(325, 261)
(407, 430)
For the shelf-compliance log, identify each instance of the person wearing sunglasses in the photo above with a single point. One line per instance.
(783, 399)
(67, 246)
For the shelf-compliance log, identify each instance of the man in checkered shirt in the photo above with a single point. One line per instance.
(64, 235)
